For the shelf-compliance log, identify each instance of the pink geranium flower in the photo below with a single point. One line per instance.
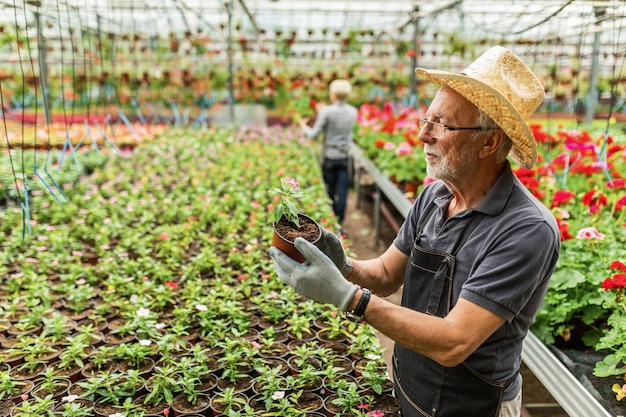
(589, 233)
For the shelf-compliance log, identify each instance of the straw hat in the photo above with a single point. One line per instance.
(502, 86)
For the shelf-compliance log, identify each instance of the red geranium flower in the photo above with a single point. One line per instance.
(616, 183)
(617, 281)
(561, 197)
(564, 230)
(618, 265)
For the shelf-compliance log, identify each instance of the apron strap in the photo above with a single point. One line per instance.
(467, 231)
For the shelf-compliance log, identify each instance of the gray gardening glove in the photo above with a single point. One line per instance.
(330, 244)
(317, 278)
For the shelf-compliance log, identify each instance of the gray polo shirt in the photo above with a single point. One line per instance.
(504, 266)
(336, 121)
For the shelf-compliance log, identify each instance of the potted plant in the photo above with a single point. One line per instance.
(11, 389)
(288, 223)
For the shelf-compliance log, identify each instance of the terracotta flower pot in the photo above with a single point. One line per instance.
(286, 232)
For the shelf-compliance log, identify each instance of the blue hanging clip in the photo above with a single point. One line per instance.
(67, 145)
(129, 125)
(176, 113)
(48, 186)
(138, 111)
(106, 138)
(26, 214)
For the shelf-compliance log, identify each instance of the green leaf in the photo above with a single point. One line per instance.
(567, 278)
(609, 366)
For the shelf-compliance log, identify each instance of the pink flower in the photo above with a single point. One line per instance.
(292, 182)
(589, 233)
(404, 149)
(389, 146)
(376, 413)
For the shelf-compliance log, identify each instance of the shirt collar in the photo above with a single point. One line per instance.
(494, 201)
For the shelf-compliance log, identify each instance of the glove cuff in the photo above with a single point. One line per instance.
(347, 268)
(348, 297)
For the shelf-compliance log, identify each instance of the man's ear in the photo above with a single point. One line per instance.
(492, 139)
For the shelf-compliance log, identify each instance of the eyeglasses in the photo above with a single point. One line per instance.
(437, 130)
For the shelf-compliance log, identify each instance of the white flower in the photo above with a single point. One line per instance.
(372, 357)
(70, 398)
(143, 312)
(134, 298)
(201, 307)
(278, 395)
(160, 326)
(145, 342)
(116, 415)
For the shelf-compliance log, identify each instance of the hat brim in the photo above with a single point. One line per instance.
(496, 106)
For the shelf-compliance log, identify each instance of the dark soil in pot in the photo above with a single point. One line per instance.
(308, 229)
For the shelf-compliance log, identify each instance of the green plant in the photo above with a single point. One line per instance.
(112, 387)
(74, 409)
(308, 376)
(230, 400)
(55, 327)
(288, 191)
(299, 324)
(614, 341)
(233, 365)
(8, 386)
(131, 409)
(373, 377)
(164, 385)
(43, 407)
(134, 353)
(34, 348)
(284, 404)
(48, 380)
(349, 398)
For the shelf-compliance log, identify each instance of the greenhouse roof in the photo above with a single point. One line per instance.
(548, 30)
(529, 19)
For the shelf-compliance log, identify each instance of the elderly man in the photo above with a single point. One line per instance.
(475, 254)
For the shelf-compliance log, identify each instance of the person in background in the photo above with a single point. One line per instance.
(336, 122)
(475, 253)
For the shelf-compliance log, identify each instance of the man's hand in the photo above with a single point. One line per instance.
(330, 244)
(317, 278)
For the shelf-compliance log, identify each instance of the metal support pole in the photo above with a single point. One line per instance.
(413, 90)
(43, 67)
(592, 93)
(377, 198)
(231, 92)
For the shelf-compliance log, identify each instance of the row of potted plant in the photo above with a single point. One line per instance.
(150, 290)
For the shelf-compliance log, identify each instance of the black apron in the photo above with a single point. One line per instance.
(424, 387)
